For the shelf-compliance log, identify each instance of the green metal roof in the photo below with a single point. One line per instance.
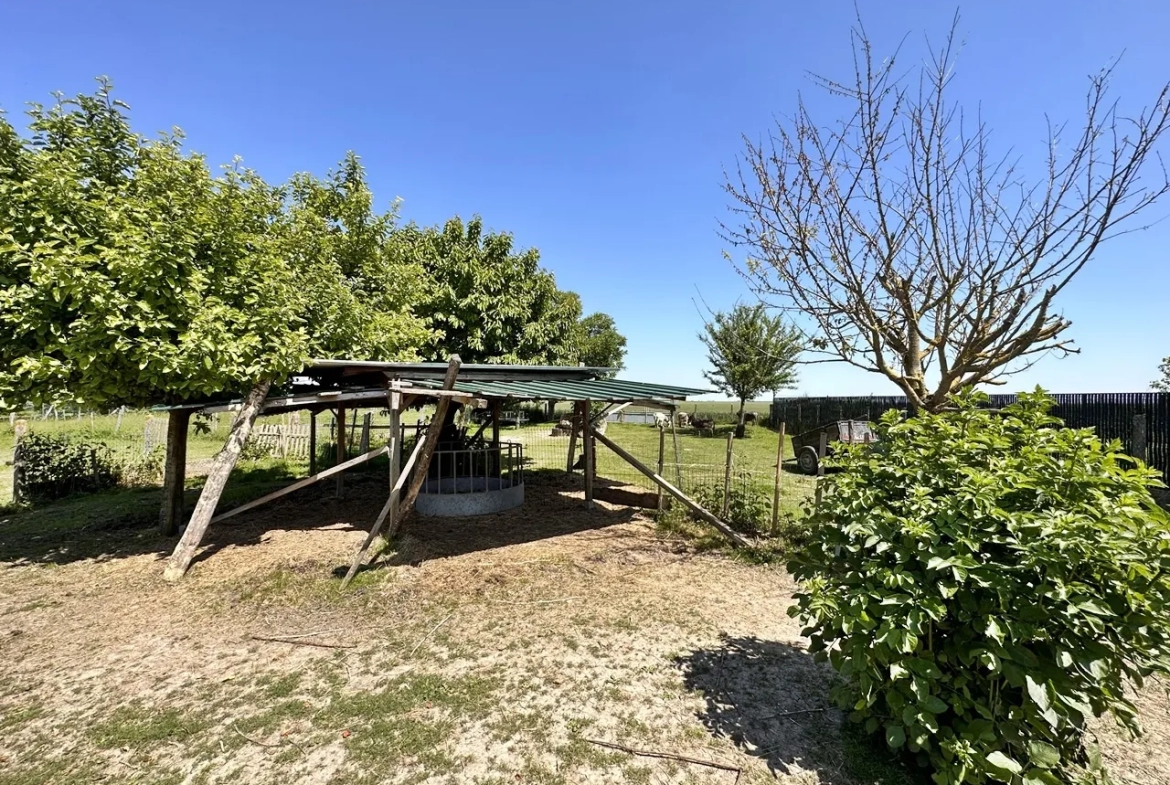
(607, 390)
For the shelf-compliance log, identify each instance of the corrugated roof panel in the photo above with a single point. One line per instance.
(610, 390)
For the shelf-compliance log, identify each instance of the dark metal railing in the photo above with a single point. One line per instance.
(475, 469)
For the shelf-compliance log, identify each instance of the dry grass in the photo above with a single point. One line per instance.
(484, 650)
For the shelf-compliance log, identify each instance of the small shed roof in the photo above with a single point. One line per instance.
(607, 390)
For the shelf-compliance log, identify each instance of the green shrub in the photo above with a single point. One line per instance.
(985, 583)
(52, 467)
(749, 509)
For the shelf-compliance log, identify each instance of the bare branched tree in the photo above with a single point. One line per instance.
(914, 250)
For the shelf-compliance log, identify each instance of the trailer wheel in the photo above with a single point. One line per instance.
(807, 460)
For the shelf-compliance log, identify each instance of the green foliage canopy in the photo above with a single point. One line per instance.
(487, 301)
(1162, 384)
(129, 274)
(750, 352)
(986, 583)
(598, 344)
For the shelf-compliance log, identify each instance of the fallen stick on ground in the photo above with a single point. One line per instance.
(434, 629)
(668, 756)
(536, 602)
(295, 642)
(258, 743)
(299, 635)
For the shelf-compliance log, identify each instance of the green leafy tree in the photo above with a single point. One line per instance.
(130, 275)
(599, 344)
(750, 353)
(1163, 384)
(987, 583)
(487, 301)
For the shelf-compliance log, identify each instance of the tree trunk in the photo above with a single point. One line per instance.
(221, 469)
(740, 428)
(174, 473)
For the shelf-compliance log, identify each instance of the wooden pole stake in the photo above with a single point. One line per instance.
(661, 459)
(1138, 437)
(576, 416)
(779, 476)
(677, 457)
(221, 469)
(428, 446)
(727, 475)
(174, 473)
(312, 443)
(822, 451)
(340, 450)
(395, 450)
(726, 530)
(590, 454)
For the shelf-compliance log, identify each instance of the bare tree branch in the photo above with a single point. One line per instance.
(914, 250)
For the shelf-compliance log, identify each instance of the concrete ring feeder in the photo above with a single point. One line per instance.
(473, 481)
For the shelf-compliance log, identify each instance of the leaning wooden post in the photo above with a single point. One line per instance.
(779, 476)
(589, 445)
(661, 459)
(428, 447)
(1138, 437)
(174, 472)
(365, 443)
(691, 504)
(340, 449)
(221, 469)
(312, 443)
(727, 475)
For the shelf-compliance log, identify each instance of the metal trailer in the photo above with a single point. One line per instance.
(807, 446)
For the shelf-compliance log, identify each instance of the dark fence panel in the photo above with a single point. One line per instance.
(1110, 414)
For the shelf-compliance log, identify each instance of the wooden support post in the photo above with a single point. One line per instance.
(428, 447)
(340, 450)
(391, 502)
(221, 469)
(296, 486)
(726, 530)
(677, 457)
(661, 459)
(1138, 437)
(577, 421)
(174, 473)
(497, 413)
(590, 446)
(395, 451)
(366, 432)
(727, 474)
(779, 476)
(312, 443)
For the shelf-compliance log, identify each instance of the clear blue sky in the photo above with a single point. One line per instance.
(598, 132)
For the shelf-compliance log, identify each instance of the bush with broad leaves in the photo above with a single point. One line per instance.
(986, 582)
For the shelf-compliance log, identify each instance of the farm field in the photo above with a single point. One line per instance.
(486, 650)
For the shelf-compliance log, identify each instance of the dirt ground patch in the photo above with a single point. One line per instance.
(487, 650)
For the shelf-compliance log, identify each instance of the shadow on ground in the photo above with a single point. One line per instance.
(553, 507)
(772, 700)
(123, 523)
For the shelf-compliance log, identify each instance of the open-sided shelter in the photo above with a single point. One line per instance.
(338, 385)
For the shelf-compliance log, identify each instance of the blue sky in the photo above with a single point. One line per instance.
(598, 132)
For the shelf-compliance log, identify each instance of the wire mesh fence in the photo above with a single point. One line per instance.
(695, 462)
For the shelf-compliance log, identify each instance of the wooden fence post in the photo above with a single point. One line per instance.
(312, 443)
(822, 451)
(365, 448)
(779, 476)
(661, 461)
(590, 453)
(727, 476)
(340, 449)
